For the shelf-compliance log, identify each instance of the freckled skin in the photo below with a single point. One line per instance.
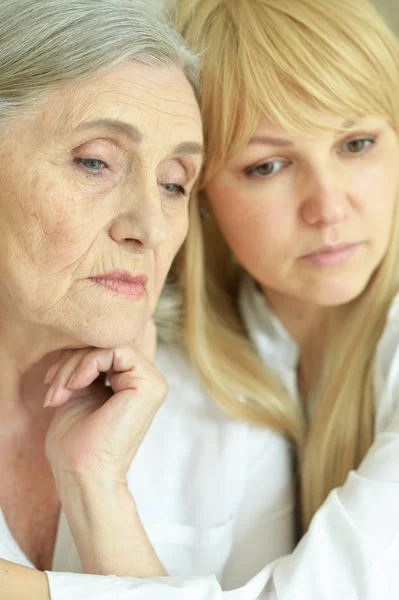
(62, 223)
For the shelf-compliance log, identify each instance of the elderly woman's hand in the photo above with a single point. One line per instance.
(95, 434)
(97, 429)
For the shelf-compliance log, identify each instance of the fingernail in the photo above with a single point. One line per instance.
(47, 379)
(50, 374)
(49, 396)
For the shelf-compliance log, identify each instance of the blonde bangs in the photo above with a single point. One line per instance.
(295, 74)
(227, 128)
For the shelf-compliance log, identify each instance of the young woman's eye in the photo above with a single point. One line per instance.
(91, 165)
(357, 146)
(266, 169)
(174, 189)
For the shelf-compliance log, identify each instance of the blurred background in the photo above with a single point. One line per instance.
(390, 9)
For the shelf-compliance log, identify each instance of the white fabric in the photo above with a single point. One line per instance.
(352, 548)
(215, 496)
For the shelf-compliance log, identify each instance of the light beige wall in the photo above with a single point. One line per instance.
(390, 9)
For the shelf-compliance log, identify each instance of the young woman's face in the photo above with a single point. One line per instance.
(310, 218)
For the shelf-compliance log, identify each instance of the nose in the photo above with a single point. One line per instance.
(324, 200)
(142, 223)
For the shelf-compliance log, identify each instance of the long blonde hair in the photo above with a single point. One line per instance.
(291, 60)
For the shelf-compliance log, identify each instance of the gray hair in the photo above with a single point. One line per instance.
(47, 43)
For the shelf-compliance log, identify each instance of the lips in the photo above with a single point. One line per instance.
(123, 283)
(330, 249)
(331, 256)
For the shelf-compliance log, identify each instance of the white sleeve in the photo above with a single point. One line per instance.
(351, 551)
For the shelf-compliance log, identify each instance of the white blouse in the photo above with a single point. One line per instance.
(215, 496)
(351, 551)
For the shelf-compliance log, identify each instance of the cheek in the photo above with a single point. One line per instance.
(69, 232)
(165, 254)
(252, 225)
(177, 233)
(377, 189)
(64, 227)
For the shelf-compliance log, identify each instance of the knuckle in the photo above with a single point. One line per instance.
(123, 358)
(162, 387)
(94, 353)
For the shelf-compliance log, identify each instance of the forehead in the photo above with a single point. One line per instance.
(322, 122)
(156, 102)
(325, 125)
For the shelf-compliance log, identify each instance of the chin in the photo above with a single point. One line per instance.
(102, 333)
(339, 293)
(98, 339)
(111, 339)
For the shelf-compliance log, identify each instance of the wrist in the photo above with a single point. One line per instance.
(91, 489)
(96, 509)
(107, 529)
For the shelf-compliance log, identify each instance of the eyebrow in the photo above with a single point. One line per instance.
(348, 124)
(134, 134)
(345, 126)
(271, 141)
(286, 143)
(126, 129)
(189, 148)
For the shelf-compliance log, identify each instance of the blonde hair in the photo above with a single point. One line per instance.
(291, 61)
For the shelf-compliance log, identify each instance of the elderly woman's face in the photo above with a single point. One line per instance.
(93, 203)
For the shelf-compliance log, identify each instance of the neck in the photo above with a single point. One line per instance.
(304, 322)
(307, 325)
(25, 356)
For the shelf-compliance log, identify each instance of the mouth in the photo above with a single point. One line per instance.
(331, 256)
(123, 283)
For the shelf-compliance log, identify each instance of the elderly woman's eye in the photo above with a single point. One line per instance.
(91, 165)
(174, 189)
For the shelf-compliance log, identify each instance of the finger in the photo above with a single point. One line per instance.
(54, 369)
(59, 393)
(90, 367)
(146, 387)
(82, 367)
(124, 381)
(127, 358)
(128, 414)
(52, 372)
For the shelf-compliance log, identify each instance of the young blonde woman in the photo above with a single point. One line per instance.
(291, 280)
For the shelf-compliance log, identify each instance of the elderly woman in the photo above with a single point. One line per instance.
(101, 143)
(302, 180)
